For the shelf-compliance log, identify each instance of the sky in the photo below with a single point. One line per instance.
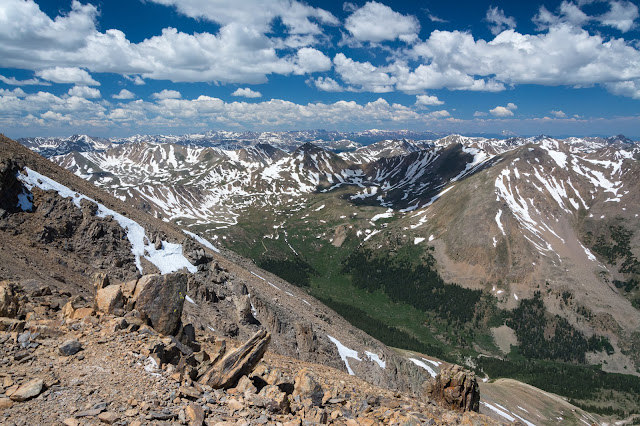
(124, 67)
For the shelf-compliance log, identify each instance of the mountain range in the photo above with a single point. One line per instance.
(538, 235)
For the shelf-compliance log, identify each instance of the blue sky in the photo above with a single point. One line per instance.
(122, 67)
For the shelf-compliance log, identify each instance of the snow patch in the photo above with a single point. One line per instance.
(499, 411)
(25, 201)
(202, 241)
(498, 215)
(190, 300)
(423, 365)
(345, 353)
(168, 259)
(375, 358)
(418, 240)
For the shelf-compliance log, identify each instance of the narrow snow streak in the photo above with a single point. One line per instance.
(423, 365)
(345, 353)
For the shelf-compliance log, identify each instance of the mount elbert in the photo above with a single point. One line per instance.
(124, 302)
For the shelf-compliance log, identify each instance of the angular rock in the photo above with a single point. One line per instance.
(5, 403)
(109, 298)
(70, 347)
(8, 300)
(307, 388)
(161, 298)
(108, 417)
(28, 390)
(238, 363)
(100, 280)
(243, 309)
(278, 400)
(195, 414)
(455, 389)
(83, 313)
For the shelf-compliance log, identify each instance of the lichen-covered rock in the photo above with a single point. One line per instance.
(455, 389)
(160, 298)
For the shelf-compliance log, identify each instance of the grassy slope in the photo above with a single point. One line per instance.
(309, 231)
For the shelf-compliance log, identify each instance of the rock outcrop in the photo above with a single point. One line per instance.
(456, 389)
(8, 300)
(238, 363)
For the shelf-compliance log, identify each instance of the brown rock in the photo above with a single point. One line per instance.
(71, 422)
(307, 388)
(279, 401)
(8, 300)
(161, 299)
(240, 362)
(83, 313)
(245, 385)
(456, 389)
(100, 280)
(68, 310)
(234, 404)
(108, 417)
(28, 390)
(5, 403)
(109, 298)
(189, 392)
(131, 412)
(195, 414)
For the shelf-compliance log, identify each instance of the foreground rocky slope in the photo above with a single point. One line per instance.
(66, 365)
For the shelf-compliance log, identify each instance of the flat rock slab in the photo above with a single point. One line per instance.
(28, 390)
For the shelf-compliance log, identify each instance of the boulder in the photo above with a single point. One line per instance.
(455, 389)
(277, 401)
(109, 299)
(238, 363)
(195, 252)
(307, 388)
(243, 309)
(8, 300)
(195, 414)
(100, 280)
(28, 390)
(70, 347)
(160, 298)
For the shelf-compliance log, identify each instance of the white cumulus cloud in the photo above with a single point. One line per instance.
(376, 22)
(498, 21)
(558, 114)
(124, 94)
(246, 93)
(85, 92)
(167, 94)
(428, 100)
(326, 84)
(68, 75)
(501, 111)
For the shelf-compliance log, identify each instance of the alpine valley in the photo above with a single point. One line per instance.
(517, 258)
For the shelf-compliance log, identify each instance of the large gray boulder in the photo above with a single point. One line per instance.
(160, 298)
